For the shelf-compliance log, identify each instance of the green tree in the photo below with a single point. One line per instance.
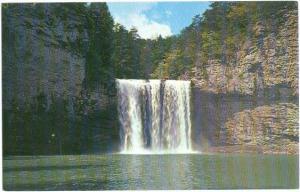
(100, 32)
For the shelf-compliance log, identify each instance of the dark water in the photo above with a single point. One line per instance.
(126, 172)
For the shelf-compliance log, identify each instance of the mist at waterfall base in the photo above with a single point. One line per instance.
(154, 116)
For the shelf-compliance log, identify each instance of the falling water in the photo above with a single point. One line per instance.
(154, 115)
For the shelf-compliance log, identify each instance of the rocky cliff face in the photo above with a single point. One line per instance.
(43, 58)
(265, 69)
(43, 74)
(45, 54)
(271, 124)
(39, 57)
(267, 59)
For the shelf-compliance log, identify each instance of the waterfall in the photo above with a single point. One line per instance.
(154, 115)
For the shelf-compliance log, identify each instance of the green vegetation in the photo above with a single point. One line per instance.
(60, 62)
(219, 34)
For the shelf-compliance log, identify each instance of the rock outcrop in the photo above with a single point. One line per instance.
(47, 56)
(268, 58)
(45, 48)
(272, 125)
(39, 57)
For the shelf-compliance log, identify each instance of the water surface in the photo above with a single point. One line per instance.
(129, 172)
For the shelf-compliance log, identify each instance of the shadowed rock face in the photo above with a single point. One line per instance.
(43, 68)
(39, 55)
(43, 72)
(265, 125)
(265, 69)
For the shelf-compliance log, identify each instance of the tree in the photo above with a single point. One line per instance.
(100, 33)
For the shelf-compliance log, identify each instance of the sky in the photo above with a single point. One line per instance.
(156, 18)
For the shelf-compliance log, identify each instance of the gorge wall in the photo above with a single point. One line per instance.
(267, 59)
(45, 100)
(59, 69)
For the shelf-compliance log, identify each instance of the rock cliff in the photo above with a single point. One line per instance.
(270, 125)
(44, 69)
(267, 59)
(39, 57)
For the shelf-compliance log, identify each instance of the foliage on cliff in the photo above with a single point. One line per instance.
(60, 61)
(59, 65)
(56, 60)
(237, 47)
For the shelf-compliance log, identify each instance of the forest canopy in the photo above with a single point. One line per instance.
(60, 62)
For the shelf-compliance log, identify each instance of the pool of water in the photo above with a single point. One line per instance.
(129, 172)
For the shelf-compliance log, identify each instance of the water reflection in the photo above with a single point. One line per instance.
(156, 171)
(152, 172)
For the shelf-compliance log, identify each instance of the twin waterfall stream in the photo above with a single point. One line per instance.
(154, 116)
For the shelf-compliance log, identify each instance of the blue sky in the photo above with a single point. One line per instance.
(156, 18)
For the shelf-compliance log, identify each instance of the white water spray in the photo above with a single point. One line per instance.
(154, 116)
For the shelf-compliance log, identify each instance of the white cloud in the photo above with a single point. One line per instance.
(147, 28)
